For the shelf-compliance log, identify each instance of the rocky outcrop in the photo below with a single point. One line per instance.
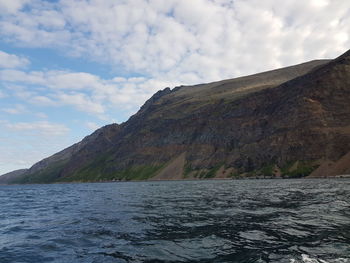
(283, 122)
(337, 168)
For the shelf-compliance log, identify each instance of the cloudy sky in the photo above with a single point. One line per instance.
(68, 67)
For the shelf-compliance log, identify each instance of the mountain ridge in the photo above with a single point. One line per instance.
(230, 128)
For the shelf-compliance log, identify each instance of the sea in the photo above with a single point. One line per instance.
(291, 221)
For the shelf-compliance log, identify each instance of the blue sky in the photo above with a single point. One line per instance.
(68, 67)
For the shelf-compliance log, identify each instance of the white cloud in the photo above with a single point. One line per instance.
(186, 41)
(41, 115)
(2, 94)
(72, 80)
(16, 109)
(20, 109)
(85, 92)
(43, 128)
(92, 125)
(320, 3)
(42, 101)
(12, 6)
(81, 101)
(14, 75)
(12, 61)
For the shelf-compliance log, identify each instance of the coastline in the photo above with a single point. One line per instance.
(338, 177)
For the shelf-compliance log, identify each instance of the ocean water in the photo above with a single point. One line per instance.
(288, 221)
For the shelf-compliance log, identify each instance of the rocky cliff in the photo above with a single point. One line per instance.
(286, 122)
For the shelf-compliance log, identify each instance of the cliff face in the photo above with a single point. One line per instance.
(283, 122)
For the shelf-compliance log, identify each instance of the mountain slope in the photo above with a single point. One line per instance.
(11, 176)
(286, 121)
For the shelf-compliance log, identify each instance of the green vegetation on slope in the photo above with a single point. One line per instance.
(101, 169)
(212, 171)
(201, 173)
(187, 170)
(298, 169)
(267, 170)
(48, 175)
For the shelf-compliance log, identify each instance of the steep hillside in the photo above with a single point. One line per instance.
(284, 122)
(11, 176)
(50, 169)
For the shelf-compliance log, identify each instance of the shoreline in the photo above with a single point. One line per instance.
(179, 180)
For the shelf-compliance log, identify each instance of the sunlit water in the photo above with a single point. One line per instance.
(181, 221)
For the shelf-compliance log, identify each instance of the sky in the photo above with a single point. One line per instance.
(68, 67)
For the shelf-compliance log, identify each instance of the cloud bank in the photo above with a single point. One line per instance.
(184, 41)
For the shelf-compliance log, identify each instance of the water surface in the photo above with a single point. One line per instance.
(177, 221)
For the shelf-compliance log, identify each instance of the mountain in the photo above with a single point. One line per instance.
(288, 122)
(11, 176)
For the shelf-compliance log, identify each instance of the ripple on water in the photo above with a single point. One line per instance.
(194, 221)
(308, 259)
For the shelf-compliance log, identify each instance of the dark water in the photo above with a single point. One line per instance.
(194, 221)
